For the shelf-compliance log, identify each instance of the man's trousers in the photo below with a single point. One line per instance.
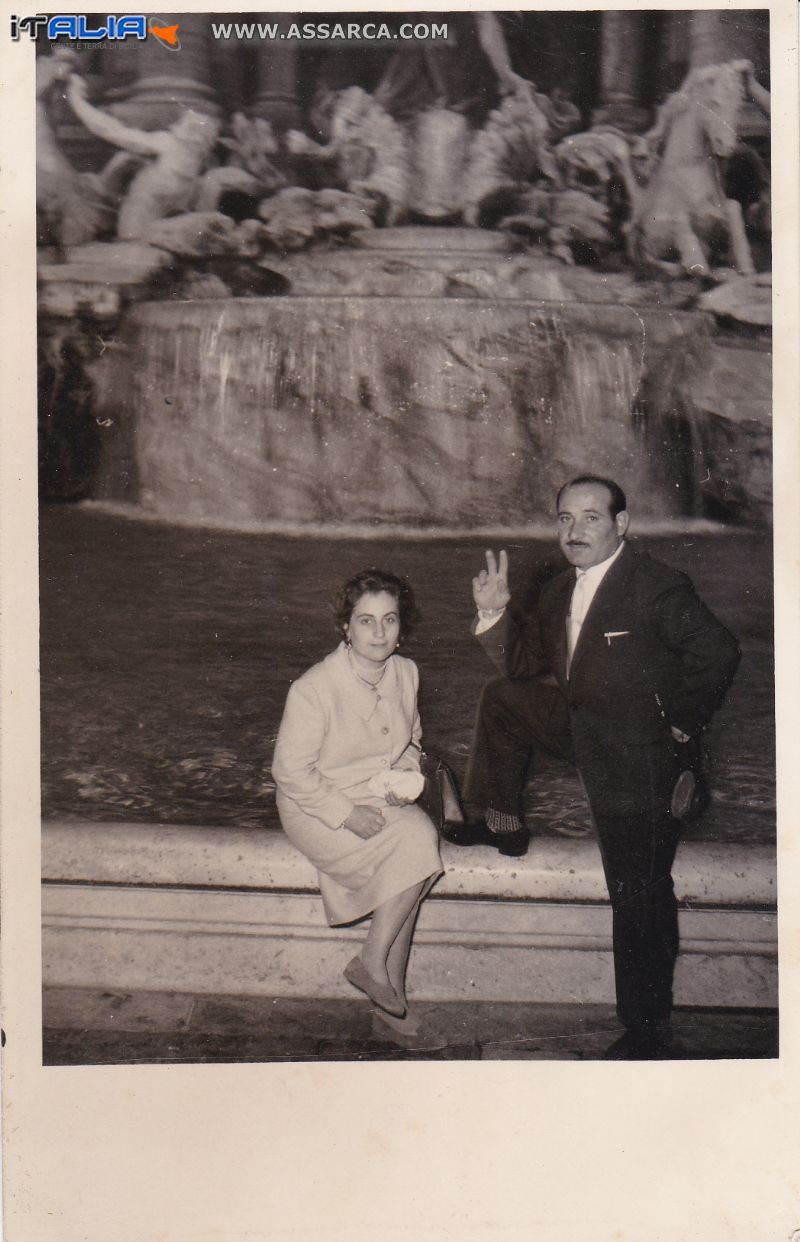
(515, 718)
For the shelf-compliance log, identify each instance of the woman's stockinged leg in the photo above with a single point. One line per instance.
(397, 961)
(391, 921)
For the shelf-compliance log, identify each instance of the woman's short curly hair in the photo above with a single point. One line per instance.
(371, 582)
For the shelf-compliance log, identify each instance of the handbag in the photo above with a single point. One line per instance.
(440, 798)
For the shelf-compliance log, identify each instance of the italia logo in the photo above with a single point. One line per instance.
(166, 35)
(75, 27)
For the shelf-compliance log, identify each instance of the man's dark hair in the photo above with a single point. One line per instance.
(372, 582)
(618, 501)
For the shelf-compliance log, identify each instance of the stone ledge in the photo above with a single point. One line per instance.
(278, 944)
(224, 910)
(706, 873)
(106, 263)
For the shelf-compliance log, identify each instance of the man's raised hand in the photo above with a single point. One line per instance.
(490, 587)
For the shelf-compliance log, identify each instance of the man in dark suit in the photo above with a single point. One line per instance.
(618, 669)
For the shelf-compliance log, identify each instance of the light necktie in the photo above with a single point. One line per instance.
(576, 614)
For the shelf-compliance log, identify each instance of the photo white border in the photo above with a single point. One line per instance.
(462, 1151)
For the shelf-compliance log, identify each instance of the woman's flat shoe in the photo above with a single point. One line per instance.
(382, 994)
(408, 1033)
(384, 1022)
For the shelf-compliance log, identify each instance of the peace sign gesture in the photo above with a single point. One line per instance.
(490, 587)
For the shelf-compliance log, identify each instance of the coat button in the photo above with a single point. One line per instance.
(384, 729)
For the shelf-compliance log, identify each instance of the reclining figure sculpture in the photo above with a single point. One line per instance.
(169, 163)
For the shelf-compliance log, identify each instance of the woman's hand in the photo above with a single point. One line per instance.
(365, 821)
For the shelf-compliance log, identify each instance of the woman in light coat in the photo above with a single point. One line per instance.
(347, 772)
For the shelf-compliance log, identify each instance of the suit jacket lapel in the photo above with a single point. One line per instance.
(559, 622)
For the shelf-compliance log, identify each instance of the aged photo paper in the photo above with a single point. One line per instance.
(167, 553)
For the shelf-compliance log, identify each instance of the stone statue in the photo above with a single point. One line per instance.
(683, 209)
(295, 217)
(252, 144)
(439, 142)
(468, 73)
(578, 222)
(250, 173)
(508, 155)
(448, 95)
(169, 163)
(69, 212)
(366, 149)
(591, 161)
(595, 198)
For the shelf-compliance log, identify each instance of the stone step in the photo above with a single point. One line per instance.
(220, 910)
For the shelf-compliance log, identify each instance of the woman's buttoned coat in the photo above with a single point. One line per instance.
(337, 733)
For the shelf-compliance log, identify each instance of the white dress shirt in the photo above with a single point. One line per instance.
(587, 582)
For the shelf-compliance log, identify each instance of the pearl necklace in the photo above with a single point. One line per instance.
(372, 684)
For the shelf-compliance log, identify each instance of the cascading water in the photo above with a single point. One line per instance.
(372, 407)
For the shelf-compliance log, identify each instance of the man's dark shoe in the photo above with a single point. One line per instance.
(512, 844)
(475, 832)
(657, 1044)
(472, 832)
